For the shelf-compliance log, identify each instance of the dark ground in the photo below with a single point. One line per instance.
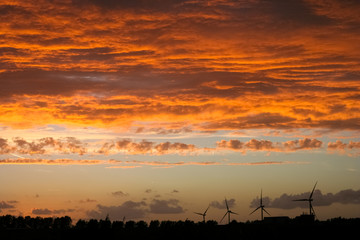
(63, 228)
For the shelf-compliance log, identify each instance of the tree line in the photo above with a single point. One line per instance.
(12, 227)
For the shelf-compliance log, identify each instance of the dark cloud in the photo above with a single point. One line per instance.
(285, 201)
(222, 205)
(154, 5)
(35, 82)
(45, 211)
(348, 124)
(296, 12)
(41, 211)
(164, 131)
(129, 209)
(261, 120)
(307, 112)
(170, 206)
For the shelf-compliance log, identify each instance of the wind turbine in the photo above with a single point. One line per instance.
(228, 212)
(203, 214)
(311, 209)
(262, 207)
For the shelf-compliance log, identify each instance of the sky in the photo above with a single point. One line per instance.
(158, 109)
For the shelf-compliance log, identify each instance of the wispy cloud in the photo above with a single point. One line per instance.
(52, 162)
(130, 164)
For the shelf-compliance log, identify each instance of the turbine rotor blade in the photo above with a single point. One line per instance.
(266, 211)
(233, 212)
(254, 210)
(206, 209)
(304, 199)
(227, 206)
(224, 216)
(198, 213)
(312, 191)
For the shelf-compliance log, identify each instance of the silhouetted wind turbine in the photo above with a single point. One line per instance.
(228, 212)
(262, 207)
(311, 209)
(203, 214)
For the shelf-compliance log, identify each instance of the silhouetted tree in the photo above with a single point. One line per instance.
(117, 225)
(130, 225)
(154, 224)
(81, 224)
(93, 224)
(105, 224)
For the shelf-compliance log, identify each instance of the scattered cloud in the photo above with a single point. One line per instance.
(7, 205)
(222, 205)
(269, 146)
(339, 145)
(45, 211)
(129, 209)
(41, 211)
(41, 146)
(119, 194)
(88, 200)
(170, 206)
(71, 145)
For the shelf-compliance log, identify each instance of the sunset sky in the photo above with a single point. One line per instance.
(158, 109)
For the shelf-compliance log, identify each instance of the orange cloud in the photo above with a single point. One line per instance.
(68, 145)
(340, 146)
(266, 145)
(114, 64)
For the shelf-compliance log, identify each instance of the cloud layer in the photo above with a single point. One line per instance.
(71, 145)
(211, 65)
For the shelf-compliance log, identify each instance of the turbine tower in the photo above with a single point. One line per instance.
(228, 212)
(311, 209)
(203, 214)
(262, 207)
